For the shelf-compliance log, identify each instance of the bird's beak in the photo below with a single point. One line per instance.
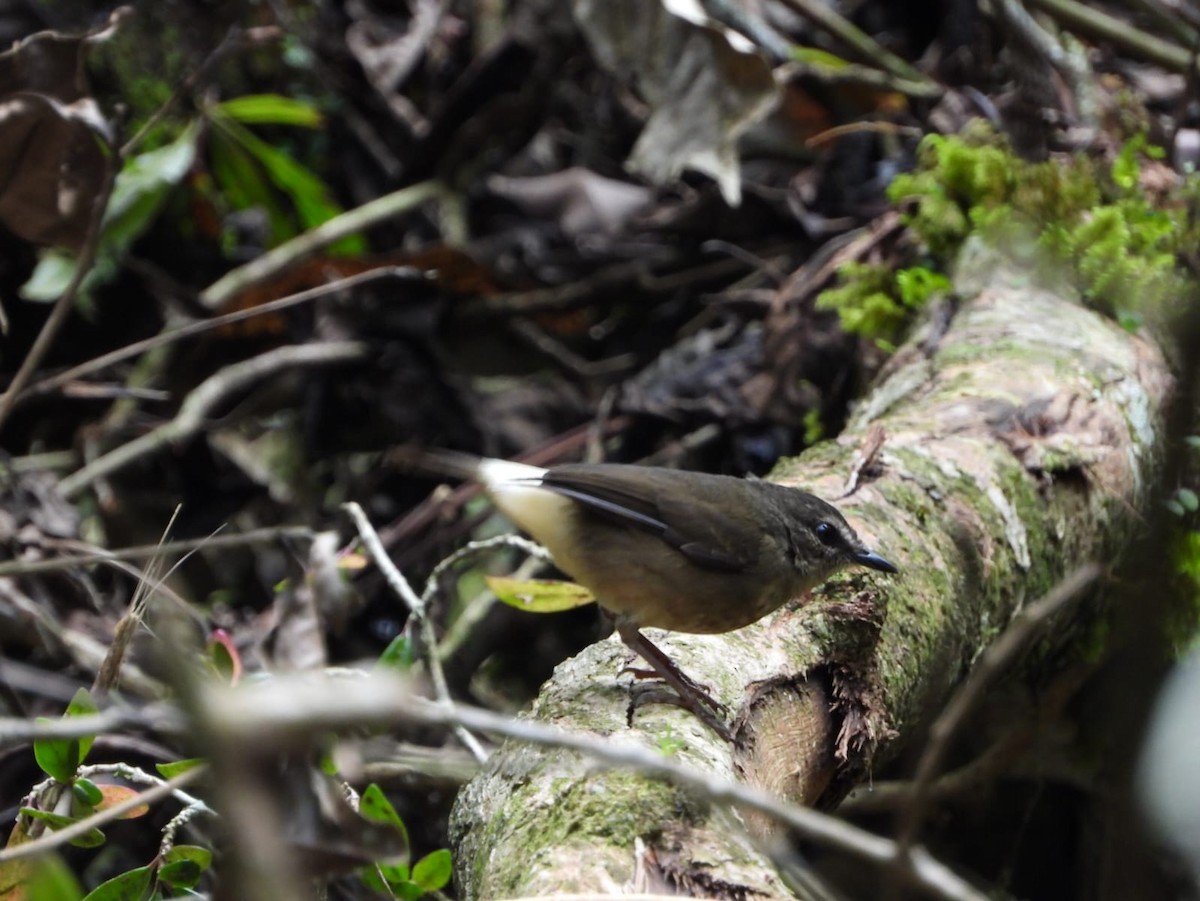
(874, 561)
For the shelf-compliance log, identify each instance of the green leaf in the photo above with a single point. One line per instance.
(90, 839)
(814, 56)
(241, 181)
(393, 873)
(51, 275)
(51, 880)
(376, 808)
(1187, 498)
(141, 188)
(82, 705)
(1192, 441)
(174, 768)
(539, 595)
(328, 765)
(183, 866)
(271, 109)
(132, 885)
(398, 654)
(433, 870)
(223, 656)
(373, 880)
(87, 792)
(308, 193)
(406, 890)
(59, 758)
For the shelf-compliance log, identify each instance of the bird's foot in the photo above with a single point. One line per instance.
(690, 694)
(710, 712)
(684, 685)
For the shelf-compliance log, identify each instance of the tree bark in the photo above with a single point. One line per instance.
(1019, 443)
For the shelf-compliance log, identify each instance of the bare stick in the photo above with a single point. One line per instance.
(1101, 26)
(867, 49)
(204, 397)
(418, 608)
(143, 551)
(280, 711)
(304, 245)
(45, 386)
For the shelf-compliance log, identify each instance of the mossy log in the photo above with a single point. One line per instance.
(1019, 443)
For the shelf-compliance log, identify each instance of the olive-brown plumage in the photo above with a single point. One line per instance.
(686, 551)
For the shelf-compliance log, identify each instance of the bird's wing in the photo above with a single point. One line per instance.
(657, 502)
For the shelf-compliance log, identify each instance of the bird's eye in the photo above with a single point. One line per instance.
(827, 534)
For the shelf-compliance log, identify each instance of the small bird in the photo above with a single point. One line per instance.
(667, 548)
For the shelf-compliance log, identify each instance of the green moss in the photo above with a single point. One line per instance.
(876, 300)
(615, 808)
(1074, 219)
(1074, 216)
(1183, 624)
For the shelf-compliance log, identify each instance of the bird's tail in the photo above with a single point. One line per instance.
(467, 467)
(436, 462)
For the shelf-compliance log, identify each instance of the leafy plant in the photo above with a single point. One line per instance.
(59, 758)
(70, 796)
(252, 172)
(395, 877)
(140, 191)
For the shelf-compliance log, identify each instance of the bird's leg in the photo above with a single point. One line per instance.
(692, 695)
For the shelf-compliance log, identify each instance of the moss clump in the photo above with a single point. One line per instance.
(876, 300)
(1075, 219)
(1183, 624)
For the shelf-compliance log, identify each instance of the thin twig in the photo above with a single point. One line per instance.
(893, 796)
(532, 548)
(866, 47)
(379, 701)
(66, 301)
(418, 607)
(140, 776)
(143, 551)
(599, 285)
(994, 659)
(96, 364)
(1099, 25)
(158, 717)
(232, 37)
(194, 410)
(304, 245)
(391, 573)
(278, 711)
(1072, 66)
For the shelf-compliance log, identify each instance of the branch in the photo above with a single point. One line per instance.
(290, 252)
(194, 411)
